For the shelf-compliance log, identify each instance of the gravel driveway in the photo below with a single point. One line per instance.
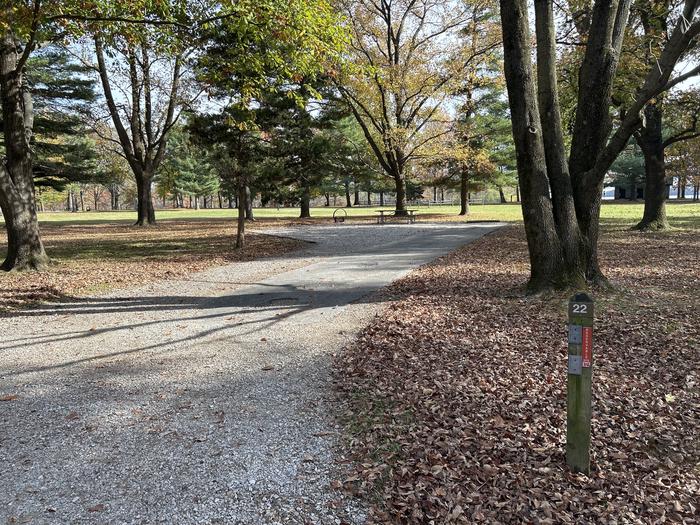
(202, 400)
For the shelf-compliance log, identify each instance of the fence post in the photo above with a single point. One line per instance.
(580, 368)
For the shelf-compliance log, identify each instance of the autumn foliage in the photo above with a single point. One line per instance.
(456, 394)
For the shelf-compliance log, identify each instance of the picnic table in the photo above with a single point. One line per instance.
(385, 214)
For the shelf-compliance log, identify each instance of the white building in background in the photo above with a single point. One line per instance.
(636, 191)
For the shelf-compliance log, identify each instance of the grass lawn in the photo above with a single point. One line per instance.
(96, 251)
(680, 214)
(93, 258)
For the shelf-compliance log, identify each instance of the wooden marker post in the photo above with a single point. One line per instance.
(578, 417)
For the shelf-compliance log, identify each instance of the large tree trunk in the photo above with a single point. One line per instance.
(381, 198)
(305, 204)
(501, 195)
(328, 200)
(145, 214)
(463, 193)
(25, 251)
(400, 182)
(348, 203)
(593, 124)
(543, 243)
(650, 140)
(357, 194)
(563, 207)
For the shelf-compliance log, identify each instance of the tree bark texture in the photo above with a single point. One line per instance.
(348, 202)
(305, 212)
(249, 215)
(145, 214)
(650, 140)
(463, 192)
(400, 182)
(25, 250)
(563, 250)
(546, 259)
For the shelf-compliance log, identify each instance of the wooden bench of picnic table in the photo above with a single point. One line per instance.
(386, 214)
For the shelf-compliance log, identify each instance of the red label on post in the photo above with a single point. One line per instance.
(586, 347)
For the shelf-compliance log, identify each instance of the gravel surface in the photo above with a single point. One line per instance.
(202, 400)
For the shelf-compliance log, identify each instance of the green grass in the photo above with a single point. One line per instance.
(479, 212)
(681, 215)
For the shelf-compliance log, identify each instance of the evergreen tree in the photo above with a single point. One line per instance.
(307, 145)
(62, 91)
(190, 168)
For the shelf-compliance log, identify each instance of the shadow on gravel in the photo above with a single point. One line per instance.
(264, 309)
(168, 439)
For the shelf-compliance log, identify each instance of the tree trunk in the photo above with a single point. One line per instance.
(242, 198)
(196, 202)
(381, 198)
(357, 194)
(650, 140)
(348, 203)
(145, 215)
(463, 194)
(502, 195)
(328, 200)
(25, 251)
(249, 204)
(305, 204)
(221, 201)
(562, 199)
(592, 124)
(543, 244)
(681, 187)
(114, 196)
(400, 182)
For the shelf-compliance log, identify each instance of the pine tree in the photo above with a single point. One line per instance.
(191, 169)
(62, 91)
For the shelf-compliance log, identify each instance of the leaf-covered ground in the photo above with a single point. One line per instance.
(456, 394)
(98, 257)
